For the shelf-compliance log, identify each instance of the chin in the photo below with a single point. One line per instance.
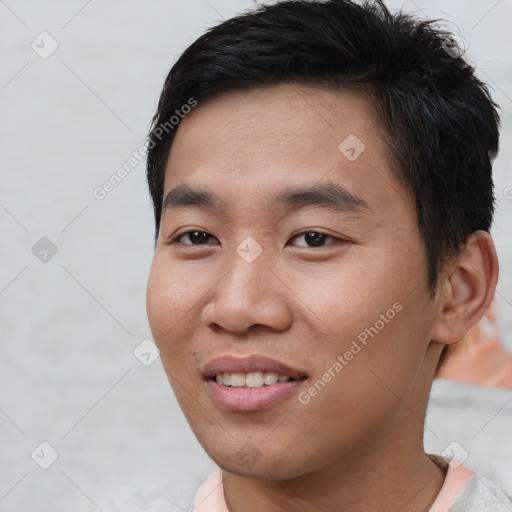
(251, 461)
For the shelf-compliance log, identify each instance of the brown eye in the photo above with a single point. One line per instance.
(313, 239)
(194, 237)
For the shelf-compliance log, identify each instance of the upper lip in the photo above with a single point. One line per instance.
(253, 363)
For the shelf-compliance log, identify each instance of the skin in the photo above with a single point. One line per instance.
(358, 444)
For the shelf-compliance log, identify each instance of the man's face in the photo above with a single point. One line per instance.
(307, 264)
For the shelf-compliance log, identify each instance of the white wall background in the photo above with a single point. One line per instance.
(69, 326)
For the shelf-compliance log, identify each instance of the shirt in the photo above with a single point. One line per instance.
(462, 491)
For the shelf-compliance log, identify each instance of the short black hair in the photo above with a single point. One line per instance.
(437, 117)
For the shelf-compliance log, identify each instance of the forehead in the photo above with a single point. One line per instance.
(252, 142)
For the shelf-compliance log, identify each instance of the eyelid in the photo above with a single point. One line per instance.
(336, 239)
(175, 238)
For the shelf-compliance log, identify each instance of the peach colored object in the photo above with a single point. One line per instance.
(210, 495)
(456, 479)
(481, 358)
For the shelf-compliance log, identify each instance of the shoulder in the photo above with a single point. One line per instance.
(482, 494)
(464, 490)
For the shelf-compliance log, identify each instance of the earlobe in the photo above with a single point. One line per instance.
(467, 289)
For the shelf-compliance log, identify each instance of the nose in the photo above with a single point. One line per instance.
(248, 295)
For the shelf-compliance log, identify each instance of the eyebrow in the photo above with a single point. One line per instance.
(327, 195)
(183, 195)
(324, 195)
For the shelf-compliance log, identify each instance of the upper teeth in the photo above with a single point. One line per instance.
(251, 379)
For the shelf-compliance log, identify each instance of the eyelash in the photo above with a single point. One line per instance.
(176, 238)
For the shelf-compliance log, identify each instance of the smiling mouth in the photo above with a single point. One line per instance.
(243, 384)
(256, 379)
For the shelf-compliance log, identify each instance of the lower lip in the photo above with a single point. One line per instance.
(250, 399)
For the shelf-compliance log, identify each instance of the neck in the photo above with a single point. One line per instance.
(403, 479)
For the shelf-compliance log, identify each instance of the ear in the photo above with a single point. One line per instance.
(466, 288)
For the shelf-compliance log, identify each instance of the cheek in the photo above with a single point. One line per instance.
(158, 307)
(347, 298)
(368, 316)
(172, 293)
(170, 299)
(168, 304)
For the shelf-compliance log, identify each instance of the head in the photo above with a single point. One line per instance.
(323, 199)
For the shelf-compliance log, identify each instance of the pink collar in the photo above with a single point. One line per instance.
(456, 479)
(210, 495)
